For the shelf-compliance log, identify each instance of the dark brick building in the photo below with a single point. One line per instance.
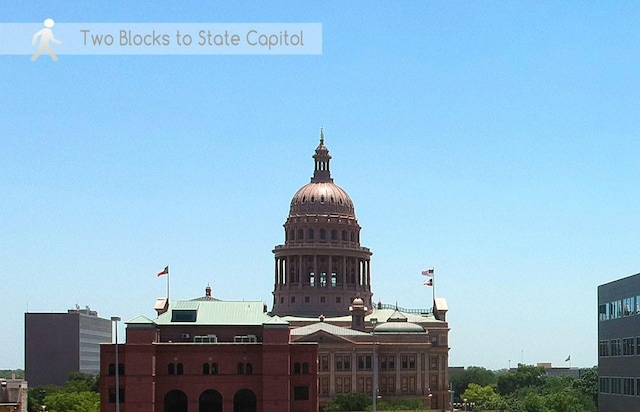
(209, 355)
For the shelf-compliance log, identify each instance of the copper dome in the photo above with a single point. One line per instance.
(321, 196)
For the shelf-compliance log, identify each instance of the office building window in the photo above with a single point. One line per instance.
(628, 346)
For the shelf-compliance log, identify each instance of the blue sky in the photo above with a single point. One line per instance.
(494, 141)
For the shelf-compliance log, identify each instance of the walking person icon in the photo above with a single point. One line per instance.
(46, 36)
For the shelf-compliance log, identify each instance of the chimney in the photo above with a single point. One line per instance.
(161, 306)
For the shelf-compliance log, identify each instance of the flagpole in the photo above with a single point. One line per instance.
(168, 276)
(434, 285)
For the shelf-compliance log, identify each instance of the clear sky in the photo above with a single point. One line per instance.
(495, 141)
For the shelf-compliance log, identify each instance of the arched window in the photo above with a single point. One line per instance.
(311, 234)
(121, 369)
(334, 234)
(245, 401)
(323, 234)
(300, 234)
(210, 401)
(112, 369)
(214, 368)
(175, 401)
(240, 369)
(205, 368)
(171, 369)
(296, 368)
(353, 237)
(248, 369)
(344, 235)
(292, 234)
(180, 369)
(305, 367)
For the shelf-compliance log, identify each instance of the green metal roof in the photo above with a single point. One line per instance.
(215, 312)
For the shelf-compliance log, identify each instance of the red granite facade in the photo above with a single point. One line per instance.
(212, 368)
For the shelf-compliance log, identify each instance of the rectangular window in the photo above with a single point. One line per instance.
(412, 384)
(383, 362)
(245, 339)
(433, 363)
(324, 386)
(616, 386)
(637, 386)
(603, 312)
(300, 393)
(603, 348)
(205, 339)
(628, 346)
(112, 395)
(324, 363)
(183, 315)
(387, 384)
(408, 362)
(605, 385)
(360, 386)
(628, 386)
(343, 362)
(367, 386)
(616, 350)
(364, 362)
(627, 307)
(638, 345)
(307, 299)
(338, 385)
(392, 362)
(347, 384)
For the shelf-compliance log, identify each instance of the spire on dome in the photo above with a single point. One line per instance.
(321, 173)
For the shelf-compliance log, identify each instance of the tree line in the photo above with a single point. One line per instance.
(527, 389)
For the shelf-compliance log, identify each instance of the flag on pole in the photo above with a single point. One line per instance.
(429, 282)
(428, 272)
(568, 358)
(164, 271)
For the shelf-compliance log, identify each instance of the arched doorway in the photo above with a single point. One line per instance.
(210, 401)
(175, 401)
(245, 401)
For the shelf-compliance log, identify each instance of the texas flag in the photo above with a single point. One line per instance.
(164, 271)
(429, 282)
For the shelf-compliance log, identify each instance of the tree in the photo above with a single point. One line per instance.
(587, 384)
(82, 382)
(73, 402)
(80, 387)
(348, 402)
(472, 374)
(484, 397)
(524, 377)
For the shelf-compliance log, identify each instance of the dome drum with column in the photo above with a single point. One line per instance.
(321, 267)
